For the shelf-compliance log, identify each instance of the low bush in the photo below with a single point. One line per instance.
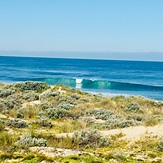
(88, 120)
(41, 115)
(134, 107)
(48, 94)
(10, 102)
(45, 123)
(45, 105)
(6, 92)
(89, 139)
(160, 146)
(54, 113)
(65, 99)
(65, 106)
(29, 85)
(76, 113)
(135, 118)
(27, 140)
(112, 121)
(119, 123)
(30, 96)
(114, 124)
(17, 123)
(20, 115)
(101, 114)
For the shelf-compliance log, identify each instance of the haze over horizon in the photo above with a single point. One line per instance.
(139, 56)
(106, 29)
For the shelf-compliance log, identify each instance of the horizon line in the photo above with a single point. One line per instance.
(132, 60)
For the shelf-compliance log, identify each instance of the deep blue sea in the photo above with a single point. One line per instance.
(98, 76)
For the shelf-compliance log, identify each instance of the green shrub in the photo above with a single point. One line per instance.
(31, 96)
(45, 105)
(57, 113)
(114, 123)
(20, 115)
(42, 115)
(119, 123)
(88, 120)
(134, 107)
(101, 114)
(65, 99)
(6, 92)
(135, 118)
(17, 123)
(10, 102)
(160, 146)
(89, 139)
(44, 123)
(65, 106)
(27, 140)
(76, 113)
(29, 85)
(48, 94)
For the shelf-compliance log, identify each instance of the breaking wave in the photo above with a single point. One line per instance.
(99, 84)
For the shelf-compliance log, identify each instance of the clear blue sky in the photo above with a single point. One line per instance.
(81, 25)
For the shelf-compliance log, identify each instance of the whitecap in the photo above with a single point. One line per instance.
(79, 81)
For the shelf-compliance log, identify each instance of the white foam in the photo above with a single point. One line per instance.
(79, 81)
(78, 86)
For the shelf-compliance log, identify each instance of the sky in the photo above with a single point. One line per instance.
(126, 29)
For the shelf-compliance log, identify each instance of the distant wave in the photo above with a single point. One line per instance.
(99, 84)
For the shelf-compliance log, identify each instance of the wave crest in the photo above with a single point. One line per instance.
(100, 84)
(79, 81)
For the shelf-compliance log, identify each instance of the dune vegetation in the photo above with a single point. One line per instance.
(41, 123)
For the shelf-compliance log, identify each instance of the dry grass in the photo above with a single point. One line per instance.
(121, 149)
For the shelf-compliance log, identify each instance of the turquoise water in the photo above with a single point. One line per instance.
(98, 76)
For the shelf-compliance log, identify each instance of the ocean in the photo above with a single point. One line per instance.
(108, 77)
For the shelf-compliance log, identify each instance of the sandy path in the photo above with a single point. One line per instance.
(136, 132)
(133, 133)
